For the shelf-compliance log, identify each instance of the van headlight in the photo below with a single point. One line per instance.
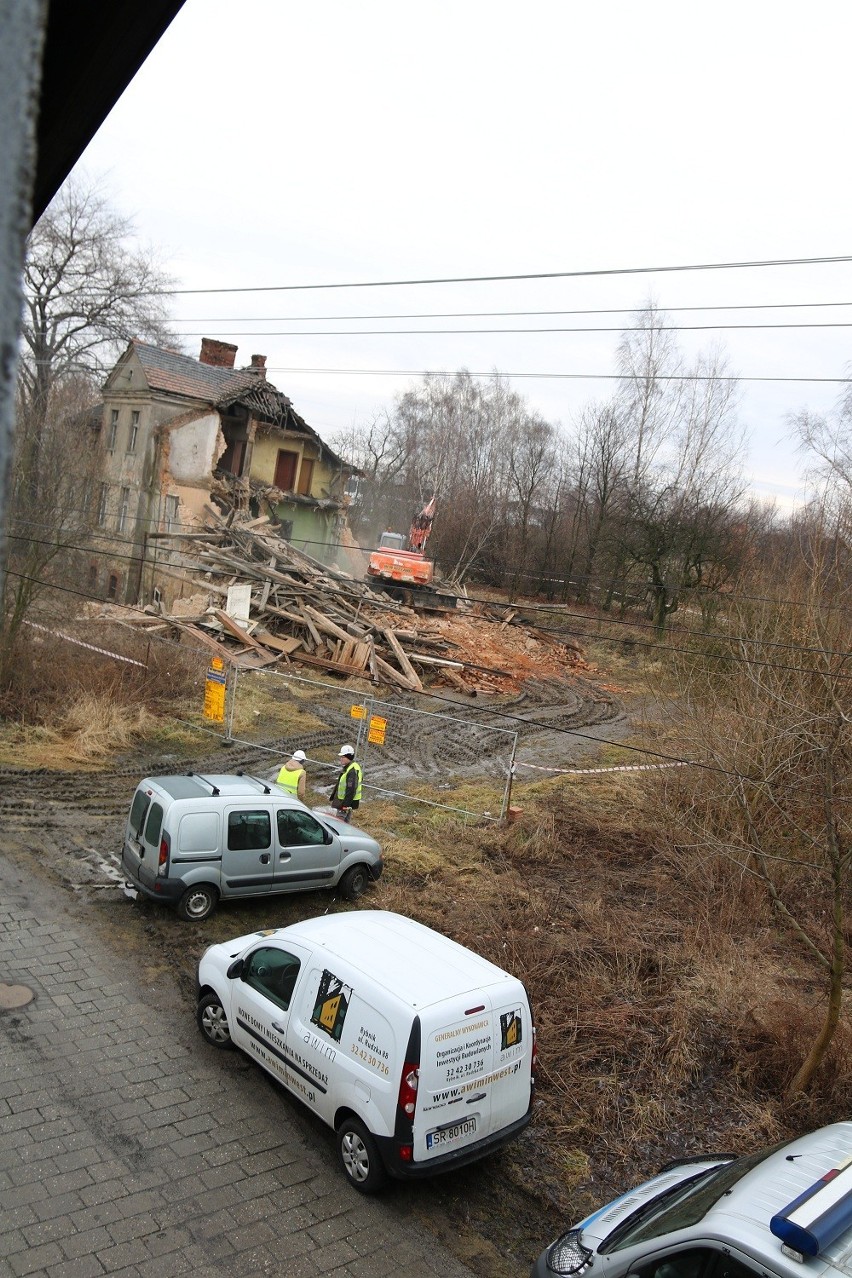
(568, 1255)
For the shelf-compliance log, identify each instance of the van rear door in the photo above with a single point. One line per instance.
(474, 1071)
(454, 1099)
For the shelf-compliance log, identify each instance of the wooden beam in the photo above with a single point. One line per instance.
(399, 653)
(393, 676)
(233, 628)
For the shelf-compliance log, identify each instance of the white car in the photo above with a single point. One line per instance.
(419, 1053)
(785, 1212)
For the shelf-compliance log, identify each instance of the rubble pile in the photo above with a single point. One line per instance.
(293, 609)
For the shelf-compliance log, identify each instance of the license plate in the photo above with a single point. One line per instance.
(446, 1135)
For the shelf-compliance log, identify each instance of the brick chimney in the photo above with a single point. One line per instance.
(258, 365)
(220, 354)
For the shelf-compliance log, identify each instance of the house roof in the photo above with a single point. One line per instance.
(177, 374)
(182, 375)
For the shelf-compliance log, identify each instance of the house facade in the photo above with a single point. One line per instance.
(182, 434)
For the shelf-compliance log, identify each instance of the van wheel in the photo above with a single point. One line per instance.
(213, 1022)
(355, 882)
(197, 902)
(360, 1157)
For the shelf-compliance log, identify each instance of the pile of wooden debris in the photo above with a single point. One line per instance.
(258, 601)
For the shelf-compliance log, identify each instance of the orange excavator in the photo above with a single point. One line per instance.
(399, 566)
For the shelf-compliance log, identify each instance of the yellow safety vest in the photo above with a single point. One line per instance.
(341, 785)
(289, 779)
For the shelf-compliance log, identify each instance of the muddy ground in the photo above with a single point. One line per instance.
(68, 825)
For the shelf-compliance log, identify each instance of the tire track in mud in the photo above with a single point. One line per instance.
(74, 821)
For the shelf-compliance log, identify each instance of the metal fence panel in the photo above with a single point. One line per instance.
(398, 746)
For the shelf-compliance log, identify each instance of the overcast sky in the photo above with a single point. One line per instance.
(269, 143)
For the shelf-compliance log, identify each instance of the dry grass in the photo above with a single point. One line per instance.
(70, 706)
(666, 1003)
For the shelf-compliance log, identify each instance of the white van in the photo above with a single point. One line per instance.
(784, 1212)
(191, 840)
(418, 1052)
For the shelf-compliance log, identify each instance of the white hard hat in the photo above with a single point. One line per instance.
(346, 749)
(300, 755)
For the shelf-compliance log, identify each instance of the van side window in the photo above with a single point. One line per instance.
(248, 831)
(697, 1262)
(298, 828)
(272, 972)
(138, 810)
(154, 825)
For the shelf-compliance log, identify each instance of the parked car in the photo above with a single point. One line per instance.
(191, 840)
(784, 1212)
(419, 1053)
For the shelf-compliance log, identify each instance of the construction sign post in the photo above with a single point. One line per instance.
(377, 730)
(214, 691)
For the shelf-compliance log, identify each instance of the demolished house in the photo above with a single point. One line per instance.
(180, 434)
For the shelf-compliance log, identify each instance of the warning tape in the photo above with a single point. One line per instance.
(583, 772)
(60, 634)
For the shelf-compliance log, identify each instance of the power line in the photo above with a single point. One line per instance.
(532, 275)
(454, 332)
(621, 310)
(108, 536)
(589, 377)
(489, 710)
(657, 646)
(574, 732)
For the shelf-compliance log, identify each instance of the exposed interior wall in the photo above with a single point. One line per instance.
(194, 449)
(325, 480)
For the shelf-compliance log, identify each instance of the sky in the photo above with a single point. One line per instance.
(270, 144)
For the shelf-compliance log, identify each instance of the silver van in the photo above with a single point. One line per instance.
(191, 840)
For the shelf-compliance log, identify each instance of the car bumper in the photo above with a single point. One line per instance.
(404, 1170)
(151, 885)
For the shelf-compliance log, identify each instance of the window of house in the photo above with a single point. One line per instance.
(103, 502)
(285, 470)
(134, 432)
(172, 514)
(306, 475)
(112, 586)
(113, 429)
(93, 577)
(122, 509)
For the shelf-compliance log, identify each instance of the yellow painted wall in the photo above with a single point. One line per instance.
(325, 480)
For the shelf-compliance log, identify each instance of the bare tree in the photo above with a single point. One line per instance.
(650, 362)
(777, 799)
(601, 465)
(87, 291)
(826, 441)
(682, 515)
(531, 462)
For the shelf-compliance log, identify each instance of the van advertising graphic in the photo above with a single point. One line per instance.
(332, 1003)
(511, 1029)
(461, 1051)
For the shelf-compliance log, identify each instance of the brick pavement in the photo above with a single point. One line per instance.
(128, 1147)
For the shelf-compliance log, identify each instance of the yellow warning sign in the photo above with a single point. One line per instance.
(214, 691)
(357, 712)
(377, 730)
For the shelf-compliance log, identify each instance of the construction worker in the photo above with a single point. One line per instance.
(346, 792)
(292, 776)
